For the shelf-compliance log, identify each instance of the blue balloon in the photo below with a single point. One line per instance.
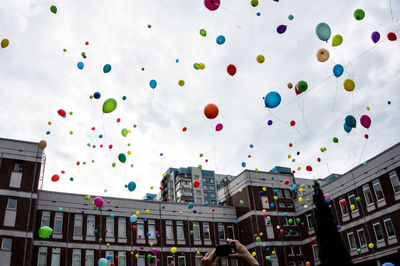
(388, 264)
(106, 68)
(153, 84)
(112, 215)
(131, 186)
(338, 70)
(350, 121)
(190, 205)
(95, 231)
(243, 164)
(323, 31)
(272, 99)
(80, 65)
(133, 218)
(346, 128)
(272, 205)
(295, 186)
(221, 39)
(102, 262)
(97, 95)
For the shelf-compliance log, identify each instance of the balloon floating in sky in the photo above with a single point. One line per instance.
(231, 69)
(211, 111)
(212, 5)
(323, 31)
(109, 105)
(375, 36)
(106, 68)
(221, 39)
(4, 43)
(391, 36)
(190, 205)
(290, 17)
(338, 70)
(196, 183)
(322, 55)
(42, 144)
(61, 112)
(365, 121)
(181, 82)
(349, 85)
(53, 9)
(254, 3)
(98, 202)
(122, 158)
(260, 58)
(203, 32)
(269, 122)
(102, 262)
(124, 132)
(45, 232)
(350, 121)
(281, 29)
(97, 95)
(292, 123)
(359, 14)
(55, 178)
(302, 86)
(131, 186)
(272, 99)
(337, 40)
(80, 65)
(153, 84)
(335, 140)
(219, 127)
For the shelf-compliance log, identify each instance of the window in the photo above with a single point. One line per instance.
(90, 225)
(42, 257)
(212, 180)
(352, 240)
(121, 258)
(367, 194)
(58, 223)
(264, 201)
(289, 250)
(343, 208)
(78, 224)
(206, 231)
(279, 193)
(300, 263)
(6, 244)
(221, 231)
(378, 189)
(76, 257)
(284, 220)
(141, 261)
(110, 227)
(170, 260)
(122, 227)
(230, 232)
(140, 228)
(55, 257)
(45, 219)
(179, 230)
(389, 228)
(89, 257)
(361, 237)
(152, 229)
(394, 179)
(289, 205)
(297, 250)
(310, 222)
(18, 167)
(110, 254)
(197, 261)
(196, 230)
(378, 231)
(10, 213)
(181, 261)
(352, 200)
(12, 204)
(286, 193)
(292, 263)
(16, 175)
(282, 205)
(169, 230)
(315, 251)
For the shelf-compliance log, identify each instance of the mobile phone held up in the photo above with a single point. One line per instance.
(225, 250)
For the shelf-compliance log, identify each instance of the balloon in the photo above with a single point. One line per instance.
(292, 123)
(290, 17)
(42, 144)
(281, 29)
(133, 218)
(269, 122)
(296, 90)
(124, 132)
(203, 32)
(173, 250)
(260, 58)
(4, 43)
(335, 140)
(53, 9)
(375, 36)
(365, 121)
(350, 121)
(349, 85)
(309, 168)
(290, 85)
(346, 128)
(196, 66)
(55, 178)
(201, 66)
(97, 95)
(231, 69)
(80, 65)
(392, 36)
(109, 105)
(359, 14)
(131, 186)
(153, 84)
(98, 202)
(190, 205)
(243, 164)
(122, 158)
(338, 70)
(254, 3)
(323, 31)
(322, 55)
(45, 232)
(221, 39)
(219, 127)
(196, 183)
(211, 111)
(337, 40)
(388, 264)
(181, 82)
(102, 262)
(106, 68)
(272, 99)
(371, 245)
(302, 86)
(212, 4)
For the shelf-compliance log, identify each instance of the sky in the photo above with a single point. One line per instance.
(37, 78)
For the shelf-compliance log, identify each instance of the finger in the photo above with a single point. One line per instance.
(212, 255)
(216, 261)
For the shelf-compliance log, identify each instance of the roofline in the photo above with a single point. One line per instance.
(23, 141)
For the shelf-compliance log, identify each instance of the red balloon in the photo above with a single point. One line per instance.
(366, 136)
(62, 172)
(55, 178)
(93, 128)
(213, 210)
(61, 112)
(286, 182)
(211, 111)
(318, 159)
(293, 171)
(196, 183)
(231, 70)
(87, 43)
(313, 239)
(290, 144)
(292, 123)
(161, 188)
(282, 232)
(309, 168)
(134, 227)
(118, 120)
(184, 129)
(392, 36)
(343, 202)
(110, 147)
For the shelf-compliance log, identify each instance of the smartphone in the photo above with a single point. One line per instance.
(225, 250)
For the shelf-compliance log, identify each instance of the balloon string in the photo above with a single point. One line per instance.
(362, 152)
(284, 122)
(213, 144)
(334, 99)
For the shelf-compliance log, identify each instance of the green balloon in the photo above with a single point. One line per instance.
(45, 232)
(113, 164)
(149, 256)
(290, 17)
(290, 221)
(359, 14)
(124, 132)
(122, 158)
(298, 220)
(201, 155)
(302, 86)
(254, 3)
(308, 200)
(203, 32)
(196, 66)
(109, 105)
(191, 232)
(200, 166)
(358, 199)
(323, 31)
(53, 9)
(359, 250)
(335, 139)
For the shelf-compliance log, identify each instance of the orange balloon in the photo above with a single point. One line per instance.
(308, 263)
(211, 111)
(290, 85)
(322, 55)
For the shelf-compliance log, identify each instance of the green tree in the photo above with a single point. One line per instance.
(331, 249)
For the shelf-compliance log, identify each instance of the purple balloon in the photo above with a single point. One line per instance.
(365, 121)
(269, 122)
(375, 36)
(281, 29)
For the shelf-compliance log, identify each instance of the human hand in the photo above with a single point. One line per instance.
(210, 259)
(242, 254)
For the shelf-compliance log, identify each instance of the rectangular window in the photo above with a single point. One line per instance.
(343, 208)
(292, 263)
(55, 257)
(213, 202)
(78, 224)
(76, 257)
(352, 200)
(197, 261)
(206, 231)
(90, 225)
(310, 222)
(315, 251)
(284, 220)
(121, 258)
(42, 256)
(196, 230)
(170, 260)
(181, 261)
(110, 253)
(141, 261)
(389, 228)
(264, 201)
(352, 240)
(378, 189)
(45, 219)
(122, 227)
(151, 226)
(212, 180)
(289, 205)
(297, 250)
(89, 257)
(367, 194)
(282, 205)
(169, 230)
(58, 223)
(289, 250)
(378, 231)
(140, 228)
(286, 192)
(12, 204)
(110, 227)
(16, 175)
(179, 230)
(6, 244)
(10, 213)
(361, 237)
(394, 179)
(18, 167)
(230, 232)
(279, 193)
(221, 231)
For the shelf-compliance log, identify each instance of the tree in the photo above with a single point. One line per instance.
(331, 249)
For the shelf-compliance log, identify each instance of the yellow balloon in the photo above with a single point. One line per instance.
(300, 199)
(368, 108)
(264, 189)
(5, 43)
(337, 40)
(254, 254)
(136, 256)
(260, 58)
(240, 190)
(352, 207)
(261, 234)
(301, 189)
(49, 123)
(173, 250)
(137, 213)
(349, 85)
(264, 210)
(202, 66)
(322, 55)
(273, 252)
(275, 197)
(289, 156)
(129, 131)
(108, 245)
(129, 152)
(298, 168)
(181, 82)
(164, 174)
(180, 212)
(147, 211)
(370, 245)
(268, 218)
(42, 144)
(71, 132)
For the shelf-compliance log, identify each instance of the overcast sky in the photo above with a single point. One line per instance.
(37, 78)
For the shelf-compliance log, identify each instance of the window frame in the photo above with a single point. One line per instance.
(291, 253)
(367, 190)
(47, 215)
(87, 255)
(227, 231)
(140, 229)
(121, 254)
(180, 228)
(184, 259)
(380, 226)
(57, 217)
(169, 228)
(315, 252)
(377, 182)
(221, 225)
(17, 162)
(343, 207)
(387, 233)
(56, 251)
(10, 239)
(90, 231)
(286, 193)
(364, 237)
(308, 221)
(12, 200)
(196, 231)
(42, 250)
(78, 217)
(391, 181)
(349, 240)
(151, 223)
(110, 229)
(352, 200)
(206, 225)
(121, 224)
(76, 251)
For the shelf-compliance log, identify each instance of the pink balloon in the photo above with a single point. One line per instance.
(365, 121)
(219, 127)
(212, 4)
(296, 90)
(98, 202)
